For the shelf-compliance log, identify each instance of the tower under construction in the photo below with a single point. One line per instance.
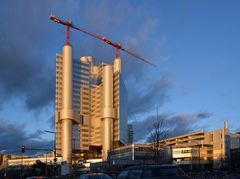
(91, 101)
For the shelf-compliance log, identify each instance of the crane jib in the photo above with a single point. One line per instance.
(105, 39)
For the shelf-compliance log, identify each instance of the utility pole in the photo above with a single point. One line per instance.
(23, 151)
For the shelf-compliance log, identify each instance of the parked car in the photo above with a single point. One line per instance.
(153, 172)
(94, 176)
(37, 177)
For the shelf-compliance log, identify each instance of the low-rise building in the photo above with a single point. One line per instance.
(201, 148)
(18, 160)
(140, 153)
(130, 155)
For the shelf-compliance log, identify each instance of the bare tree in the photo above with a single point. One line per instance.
(158, 132)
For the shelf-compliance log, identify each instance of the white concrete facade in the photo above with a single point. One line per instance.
(97, 118)
(67, 110)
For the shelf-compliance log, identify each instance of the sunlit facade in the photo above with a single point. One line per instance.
(201, 148)
(99, 100)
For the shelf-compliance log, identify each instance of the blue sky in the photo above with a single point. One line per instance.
(195, 45)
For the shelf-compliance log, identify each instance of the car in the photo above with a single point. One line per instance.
(153, 172)
(37, 177)
(94, 176)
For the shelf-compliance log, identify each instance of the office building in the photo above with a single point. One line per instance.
(99, 105)
(201, 148)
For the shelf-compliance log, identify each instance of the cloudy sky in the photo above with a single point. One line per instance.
(195, 45)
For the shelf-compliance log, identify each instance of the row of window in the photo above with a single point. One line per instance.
(75, 77)
(181, 151)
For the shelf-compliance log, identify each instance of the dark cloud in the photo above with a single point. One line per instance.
(182, 124)
(203, 115)
(145, 98)
(25, 68)
(143, 128)
(36, 135)
(186, 123)
(173, 124)
(12, 136)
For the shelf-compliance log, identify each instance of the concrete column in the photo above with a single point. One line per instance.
(67, 140)
(117, 65)
(67, 110)
(107, 111)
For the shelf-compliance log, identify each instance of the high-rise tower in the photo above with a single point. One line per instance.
(99, 106)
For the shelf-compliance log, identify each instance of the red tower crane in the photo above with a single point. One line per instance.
(118, 46)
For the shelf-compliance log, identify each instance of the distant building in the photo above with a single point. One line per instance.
(18, 160)
(99, 99)
(31, 161)
(201, 148)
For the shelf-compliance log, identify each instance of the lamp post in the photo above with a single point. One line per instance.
(55, 154)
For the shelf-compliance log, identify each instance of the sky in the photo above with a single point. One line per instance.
(194, 44)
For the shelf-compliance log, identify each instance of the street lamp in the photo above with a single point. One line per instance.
(55, 154)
